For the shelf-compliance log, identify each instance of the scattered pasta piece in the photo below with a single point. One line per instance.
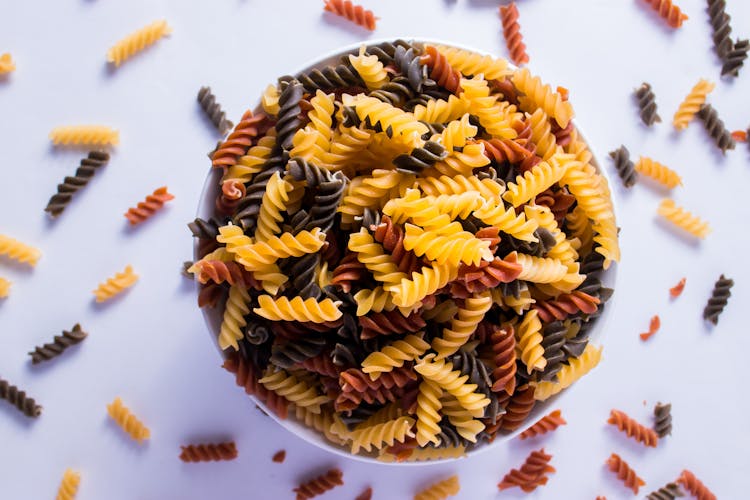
(532, 474)
(59, 344)
(127, 421)
(147, 208)
(69, 485)
(658, 172)
(668, 11)
(365, 495)
(653, 327)
(84, 135)
(137, 41)
(692, 104)
(4, 287)
(683, 219)
(319, 485)
(663, 419)
(547, 423)
(512, 33)
(355, 13)
(669, 491)
(633, 429)
(6, 64)
(19, 399)
(115, 285)
(71, 185)
(718, 300)
(208, 452)
(279, 456)
(647, 104)
(440, 490)
(676, 290)
(715, 128)
(694, 486)
(624, 473)
(20, 252)
(213, 110)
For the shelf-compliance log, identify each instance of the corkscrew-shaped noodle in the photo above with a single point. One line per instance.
(647, 104)
(625, 168)
(694, 486)
(213, 110)
(6, 64)
(378, 435)
(463, 324)
(547, 423)
(440, 490)
(577, 368)
(65, 191)
(715, 128)
(692, 103)
(539, 95)
(18, 251)
(297, 309)
(69, 485)
(240, 140)
(532, 473)
(115, 285)
(319, 485)
(60, 343)
(625, 473)
(512, 33)
(137, 41)
(663, 419)
(237, 307)
(147, 208)
(719, 298)
(452, 381)
(669, 12)
(735, 59)
(354, 13)
(683, 219)
(633, 429)
(127, 421)
(669, 491)
(295, 390)
(503, 342)
(84, 135)
(19, 399)
(207, 452)
(658, 172)
(394, 355)
(428, 413)
(440, 69)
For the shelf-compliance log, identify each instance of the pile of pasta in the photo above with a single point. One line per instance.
(407, 247)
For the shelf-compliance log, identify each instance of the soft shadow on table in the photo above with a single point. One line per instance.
(22, 421)
(16, 266)
(128, 442)
(681, 234)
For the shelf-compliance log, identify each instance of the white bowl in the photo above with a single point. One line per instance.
(213, 316)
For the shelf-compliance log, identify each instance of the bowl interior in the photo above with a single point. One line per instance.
(213, 316)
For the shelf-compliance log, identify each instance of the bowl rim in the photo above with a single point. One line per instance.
(299, 429)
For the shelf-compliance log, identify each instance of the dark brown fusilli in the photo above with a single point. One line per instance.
(19, 399)
(59, 344)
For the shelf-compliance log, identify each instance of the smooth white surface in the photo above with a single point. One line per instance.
(150, 345)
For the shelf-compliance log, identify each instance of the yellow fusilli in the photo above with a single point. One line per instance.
(435, 186)
(466, 425)
(463, 324)
(529, 342)
(404, 125)
(540, 178)
(660, 173)
(115, 285)
(370, 69)
(440, 490)
(237, 307)
(297, 309)
(692, 103)
(84, 135)
(18, 251)
(540, 269)
(394, 355)
(127, 421)
(683, 219)
(577, 368)
(273, 203)
(496, 117)
(508, 221)
(382, 434)
(252, 162)
(422, 284)
(428, 413)
(471, 63)
(441, 372)
(256, 256)
(69, 485)
(296, 391)
(539, 95)
(137, 41)
(374, 257)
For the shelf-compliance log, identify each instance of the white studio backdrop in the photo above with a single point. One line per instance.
(150, 346)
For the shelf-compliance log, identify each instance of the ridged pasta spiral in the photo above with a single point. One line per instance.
(529, 342)
(540, 178)
(274, 202)
(218, 117)
(532, 473)
(451, 249)
(542, 136)
(508, 221)
(735, 59)
(25, 404)
(658, 172)
(6, 64)
(540, 269)
(422, 284)
(18, 251)
(565, 305)
(663, 419)
(669, 12)
(355, 13)
(694, 486)
(715, 128)
(720, 27)
(503, 341)
(539, 95)
(379, 435)
(209, 452)
(71, 185)
(442, 111)
(283, 309)
(404, 125)
(577, 368)
(633, 429)
(512, 33)
(69, 485)
(320, 484)
(295, 390)
(719, 298)
(84, 135)
(647, 104)
(625, 473)
(240, 140)
(436, 186)
(370, 69)
(547, 423)
(440, 69)
(440, 490)
(115, 285)
(472, 63)
(683, 219)
(442, 373)
(137, 41)
(669, 491)
(394, 355)
(495, 116)
(233, 321)
(147, 208)
(60, 343)
(4, 287)
(255, 256)
(373, 256)
(692, 103)
(428, 413)
(466, 426)
(127, 421)
(463, 325)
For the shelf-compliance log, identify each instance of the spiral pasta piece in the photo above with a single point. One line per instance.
(240, 140)
(440, 69)
(270, 100)
(542, 136)
(127, 421)
(633, 429)
(209, 452)
(373, 256)
(533, 182)
(625, 473)
(84, 135)
(320, 484)
(370, 69)
(147, 208)
(539, 95)
(137, 41)
(428, 413)
(255, 256)
(442, 373)
(540, 269)
(274, 202)
(466, 425)
(695, 486)
(507, 221)
(440, 490)
(442, 111)
(683, 219)
(512, 33)
(658, 172)
(472, 63)
(692, 103)
(297, 309)
(463, 325)
(60, 342)
(459, 184)
(69, 485)
(669, 12)
(237, 307)
(532, 473)
(450, 249)
(296, 391)
(218, 117)
(496, 117)
(18, 398)
(719, 299)
(647, 104)
(379, 435)
(529, 342)
(716, 128)
(394, 355)
(422, 284)
(115, 285)
(547, 423)
(577, 368)
(4, 287)
(404, 126)
(371, 191)
(18, 251)
(6, 64)
(355, 13)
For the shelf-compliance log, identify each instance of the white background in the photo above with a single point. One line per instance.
(151, 347)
